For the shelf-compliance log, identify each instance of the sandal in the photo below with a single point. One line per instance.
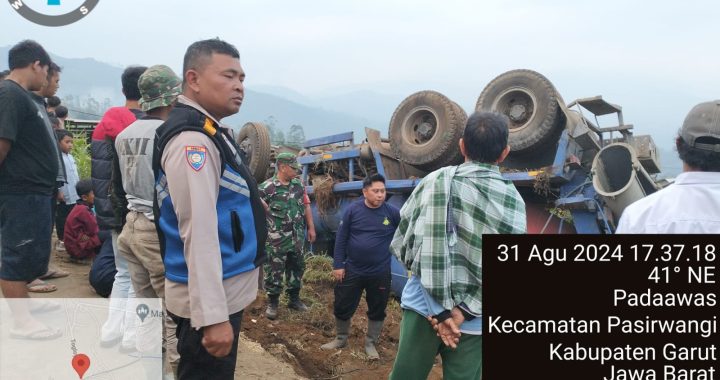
(39, 286)
(54, 273)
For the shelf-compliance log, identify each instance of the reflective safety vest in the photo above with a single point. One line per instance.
(241, 217)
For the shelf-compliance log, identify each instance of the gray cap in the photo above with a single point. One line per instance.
(702, 121)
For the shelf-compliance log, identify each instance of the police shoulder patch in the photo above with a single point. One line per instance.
(195, 156)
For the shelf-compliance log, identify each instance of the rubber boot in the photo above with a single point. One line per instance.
(296, 304)
(373, 333)
(342, 329)
(272, 307)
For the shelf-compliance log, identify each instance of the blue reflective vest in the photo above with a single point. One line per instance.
(241, 217)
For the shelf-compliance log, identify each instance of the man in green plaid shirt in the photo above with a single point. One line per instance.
(440, 240)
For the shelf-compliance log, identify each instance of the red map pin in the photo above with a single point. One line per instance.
(81, 363)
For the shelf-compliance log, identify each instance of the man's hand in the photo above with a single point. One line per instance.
(311, 235)
(449, 329)
(339, 274)
(218, 339)
(449, 333)
(61, 196)
(457, 316)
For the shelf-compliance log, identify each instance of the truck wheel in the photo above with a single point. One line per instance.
(254, 140)
(531, 103)
(457, 159)
(425, 129)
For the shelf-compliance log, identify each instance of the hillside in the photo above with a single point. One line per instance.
(351, 109)
(85, 78)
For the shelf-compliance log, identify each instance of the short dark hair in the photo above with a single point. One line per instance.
(84, 187)
(54, 121)
(61, 111)
(4, 74)
(130, 78)
(53, 101)
(485, 136)
(196, 54)
(700, 159)
(53, 69)
(25, 53)
(368, 181)
(62, 133)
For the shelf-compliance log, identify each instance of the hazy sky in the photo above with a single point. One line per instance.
(656, 58)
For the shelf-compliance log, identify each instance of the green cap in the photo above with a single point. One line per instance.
(159, 87)
(287, 159)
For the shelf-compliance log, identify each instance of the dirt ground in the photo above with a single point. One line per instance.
(289, 347)
(296, 337)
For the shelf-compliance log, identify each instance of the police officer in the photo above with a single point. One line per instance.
(209, 214)
(288, 210)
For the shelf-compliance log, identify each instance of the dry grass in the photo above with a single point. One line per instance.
(318, 269)
(324, 196)
(541, 186)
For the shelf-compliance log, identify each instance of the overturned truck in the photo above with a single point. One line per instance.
(574, 175)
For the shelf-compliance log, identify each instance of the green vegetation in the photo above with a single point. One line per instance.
(294, 137)
(318, 269)
(81, 153)
(562, 213)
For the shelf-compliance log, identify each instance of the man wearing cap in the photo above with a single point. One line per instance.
(138, 242)
(692, 203)
(288, 211)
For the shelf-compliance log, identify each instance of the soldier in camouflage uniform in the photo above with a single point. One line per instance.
(288, 211)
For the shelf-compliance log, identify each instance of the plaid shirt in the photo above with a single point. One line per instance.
(445, 249)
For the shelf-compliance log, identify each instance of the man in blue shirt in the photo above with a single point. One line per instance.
(362, 262)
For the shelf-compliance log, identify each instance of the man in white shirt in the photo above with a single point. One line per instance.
(692, 203)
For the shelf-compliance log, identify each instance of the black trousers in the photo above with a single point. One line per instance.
(349, 291)
(62, 211)
(195, 361)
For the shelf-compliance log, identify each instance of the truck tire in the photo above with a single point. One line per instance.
(254, 140)
(458, 159)
(531, 103)
(425, 129)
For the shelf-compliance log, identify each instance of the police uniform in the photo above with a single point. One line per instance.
(212, 232)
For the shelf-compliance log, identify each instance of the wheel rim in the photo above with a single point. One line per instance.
(247, 146)
(518, 105)
(420, 126)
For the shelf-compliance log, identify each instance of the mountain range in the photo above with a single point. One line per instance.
(319, 115)
(84, 78)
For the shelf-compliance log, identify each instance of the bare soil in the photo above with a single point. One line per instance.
(296, 337)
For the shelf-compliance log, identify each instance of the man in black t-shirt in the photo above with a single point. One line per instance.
(28, 171)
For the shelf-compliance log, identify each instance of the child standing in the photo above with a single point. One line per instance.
(67, 196)
(81, 229)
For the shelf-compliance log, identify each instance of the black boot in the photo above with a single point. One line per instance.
(295, 303)
(272, 307)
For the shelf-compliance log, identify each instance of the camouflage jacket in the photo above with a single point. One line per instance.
(286, 214)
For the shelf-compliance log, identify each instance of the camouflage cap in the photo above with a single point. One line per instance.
(159, 87)
(287, 159)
